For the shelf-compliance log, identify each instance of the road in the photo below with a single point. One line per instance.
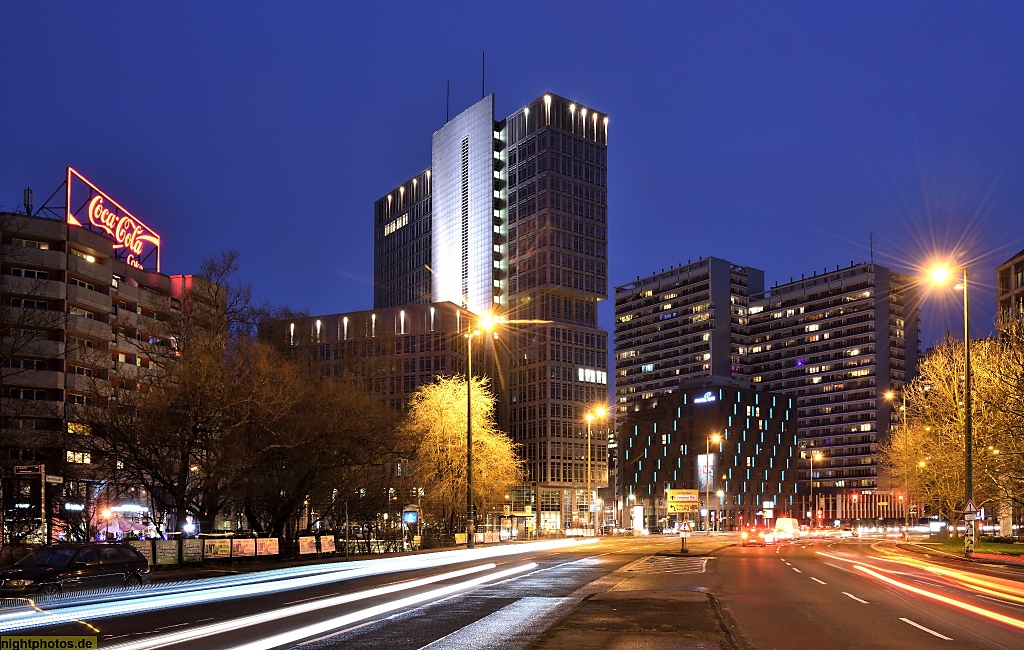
(822, 593)
(866, 594)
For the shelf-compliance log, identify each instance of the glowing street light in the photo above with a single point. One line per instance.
(470, 519)
(814, 506)
(941, 275)
(599, 412)
(890, 396)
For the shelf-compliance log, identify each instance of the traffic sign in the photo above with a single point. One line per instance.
(51, 478)
(682, 501)
(970, 507)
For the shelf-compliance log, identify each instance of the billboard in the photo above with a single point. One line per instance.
(89, 207)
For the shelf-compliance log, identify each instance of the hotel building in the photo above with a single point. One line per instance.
(667, 443)
(518, 212)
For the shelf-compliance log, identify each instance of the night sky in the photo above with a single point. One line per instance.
(774, 135)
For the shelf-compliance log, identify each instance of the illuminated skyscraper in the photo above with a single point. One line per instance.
(517, 214)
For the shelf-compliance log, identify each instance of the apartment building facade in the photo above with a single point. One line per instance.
(78, 314)
(838, 341)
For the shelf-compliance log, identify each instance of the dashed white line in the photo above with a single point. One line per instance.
(819, 581)
(796, 569)
(845, 593)
(921, 627)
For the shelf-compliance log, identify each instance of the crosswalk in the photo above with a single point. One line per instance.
(671, 565)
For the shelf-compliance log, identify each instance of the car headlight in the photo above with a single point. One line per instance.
(17, 583)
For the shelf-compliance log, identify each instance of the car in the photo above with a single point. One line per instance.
(759, 536)
(66, 567)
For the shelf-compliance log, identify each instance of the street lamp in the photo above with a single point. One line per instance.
(814, 506)
(940, 275)
(718, 519)
(598, 412)
(485, 322)
(715, 438)
(890, 396)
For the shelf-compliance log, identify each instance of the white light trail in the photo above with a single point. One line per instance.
(148, 600)
(192, 635)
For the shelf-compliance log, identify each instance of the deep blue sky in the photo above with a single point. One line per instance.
(775, 135)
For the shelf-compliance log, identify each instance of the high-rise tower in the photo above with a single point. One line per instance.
(517, 213)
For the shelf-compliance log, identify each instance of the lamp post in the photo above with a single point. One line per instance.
(598, 412)
(718, 518)
(940, 275)
(470, 523)
(890, 395)
(715, 438)
(814, 506)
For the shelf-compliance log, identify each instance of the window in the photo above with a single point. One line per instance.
(85, 256)
(28, 243)
(28, 393)
(83, 284)
(29, 364)
(28, 304)
(81, 457)
(30, 273)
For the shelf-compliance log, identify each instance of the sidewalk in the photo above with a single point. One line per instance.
(645, 610)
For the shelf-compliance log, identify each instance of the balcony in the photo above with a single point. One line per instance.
(33, 378)
(94, 272)
(90, 300)
(126, 292)
(83, 384)
(84, 327)
(155, 301)
(36, 258)
(44, 349)
(32, 288)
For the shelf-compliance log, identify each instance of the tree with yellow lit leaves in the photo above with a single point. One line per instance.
(436, 420)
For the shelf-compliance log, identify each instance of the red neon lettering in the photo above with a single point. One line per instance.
(125, 230)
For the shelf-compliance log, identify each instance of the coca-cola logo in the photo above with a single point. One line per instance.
(135, 243)
(125, 230)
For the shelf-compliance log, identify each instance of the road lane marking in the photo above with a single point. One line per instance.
(796, 569)
(819, 581)
(996, 616)
(855, 598)
(921, 627)
(521, 619)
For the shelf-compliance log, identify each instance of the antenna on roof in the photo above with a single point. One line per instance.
(447, 100)
(872, 247)
(483, 71)
(28, 200)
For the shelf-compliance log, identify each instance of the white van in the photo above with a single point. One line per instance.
(787, 528)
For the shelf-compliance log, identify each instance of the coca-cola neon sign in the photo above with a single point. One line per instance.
(134, 241)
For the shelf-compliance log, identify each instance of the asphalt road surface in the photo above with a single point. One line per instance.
(815, 594)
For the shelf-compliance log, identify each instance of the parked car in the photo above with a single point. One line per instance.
(67, 567)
